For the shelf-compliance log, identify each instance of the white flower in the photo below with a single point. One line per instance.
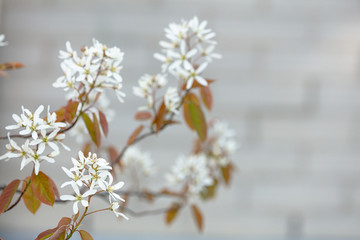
(69, 53)
(33, 122)
(114, 207)
(183, 57)
(109, 188)
(172, 100)
(78, 197)
(194, 74)
(2, 38)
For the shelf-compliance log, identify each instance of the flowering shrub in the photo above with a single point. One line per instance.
(87, 77)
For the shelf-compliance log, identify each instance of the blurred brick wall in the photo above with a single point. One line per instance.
(288, 83)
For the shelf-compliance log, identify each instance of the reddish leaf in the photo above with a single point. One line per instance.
(46, 234)
(206, 96)
(90, 127)
(85, 235)
(86, 148)
(159, 119)
(61, 228)
(71, 110)
(209, 191)
(141, 116)
(11, 65)
(31, 202)
(7, 194)
(97, 130)
(60, 114)
(134, 135)
(113, 153)
(55, 189)
(42, 188)
(198, 217)
(104, 123)
(172, 213)
(194, 116)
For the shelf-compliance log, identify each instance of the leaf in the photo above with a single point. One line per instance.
(59, 234)
(226, 173)
(206, 96)
(86, 148)
(31, 202)
(141, 116)
(46, 234)
(71, 110)
(104, 123)
(8, 194)
(159, 119)
(198, 217)
(85, 235)
(97, 131)
(11, 65)
(209, 191)
(55, 189)
(194, 116)
(134, 135)
(171, 213)
(89, 126)
(60, 114)
(42, 188)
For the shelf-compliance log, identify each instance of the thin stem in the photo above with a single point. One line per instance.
(104, 209)
(21, 194)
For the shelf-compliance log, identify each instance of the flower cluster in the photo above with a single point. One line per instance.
(192, 171)
(43, 132)
(94, 174)
(2, 38)
(137, 165)
(188, 50)
(97, 68)
(221, 144)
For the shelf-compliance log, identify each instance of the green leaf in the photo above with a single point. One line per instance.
(8, 194)
(97, 131)
(85, 235)
(31, 202)
(194, 116)
(104, 123)
(198, 217)
(90, 127)
(42, 188)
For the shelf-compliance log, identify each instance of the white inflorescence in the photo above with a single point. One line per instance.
(45, 137)
(97, 68)
(187, 51)
(192, 171)
(2, 38)
(93, 173)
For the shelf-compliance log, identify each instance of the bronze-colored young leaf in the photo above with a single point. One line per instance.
(142, 116)
(71, 110)
(30, 200)
(134, 135)
(86, 149)
(60, 114)
(46, 234)
(97, 130)
(171, 213)
(42, 188)
(55, 189)
(160, 116)
(206, 96)
(85, 235)
(104, 123)
(226, 173)
(194, 116)
(89, 126)
(198, 217)
(8, 194)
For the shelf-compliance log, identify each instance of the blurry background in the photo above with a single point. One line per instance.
(289, 83)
